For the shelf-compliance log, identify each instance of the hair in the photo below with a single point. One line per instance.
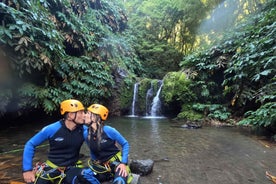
(99, 130)
(64, 116)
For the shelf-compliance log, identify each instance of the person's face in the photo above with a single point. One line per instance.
(90, 117)
(78, 117)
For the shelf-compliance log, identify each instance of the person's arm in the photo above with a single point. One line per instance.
(29, 150)
(37, 139)
(28, 154)
(117, 136)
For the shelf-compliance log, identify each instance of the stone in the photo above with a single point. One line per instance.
(141, 167)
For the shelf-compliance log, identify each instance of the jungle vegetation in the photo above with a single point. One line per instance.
(213, 65)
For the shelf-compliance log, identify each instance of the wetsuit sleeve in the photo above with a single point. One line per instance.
(113, 134)
(85, 136)
(37, 139)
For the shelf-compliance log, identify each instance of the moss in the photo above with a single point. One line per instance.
(126, 93)
(188, 113)
(126, 96)
(176, 87)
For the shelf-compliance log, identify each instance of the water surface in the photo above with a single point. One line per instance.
(209, 155)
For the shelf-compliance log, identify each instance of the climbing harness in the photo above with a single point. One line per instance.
(98, 168)
(101, 168)
(44, 171)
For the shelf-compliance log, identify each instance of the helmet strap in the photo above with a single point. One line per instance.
(73, 120)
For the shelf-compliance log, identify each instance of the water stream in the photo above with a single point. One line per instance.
(156, 103)
(153, 103)
(135, 92)
(208, 155)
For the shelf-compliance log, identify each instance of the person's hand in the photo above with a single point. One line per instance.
(29, 176)
(122, 168)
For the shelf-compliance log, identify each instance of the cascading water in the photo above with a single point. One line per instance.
(153, 103)
(156, 103)
(148, 99)
(135, 92)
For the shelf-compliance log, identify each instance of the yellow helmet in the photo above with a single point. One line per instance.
(99, 109)
(70, 105)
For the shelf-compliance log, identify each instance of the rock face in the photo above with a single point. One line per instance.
(114, 103)
(141, 167)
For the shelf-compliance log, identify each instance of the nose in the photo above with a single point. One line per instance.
(86, 118)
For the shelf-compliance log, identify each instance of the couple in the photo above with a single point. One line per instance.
(66, 137)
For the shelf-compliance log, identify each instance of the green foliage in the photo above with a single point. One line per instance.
(251, 72)
(30, 37)
(34, 97)
(158, 58)
(5, 95)
(63, 49)
(265, 116)
(176, 88)
(190, 115)
(214, 111)
(92, 83)
(224, 18)
(125, 96)
(179, 29)
(240, 70)
(159, 44)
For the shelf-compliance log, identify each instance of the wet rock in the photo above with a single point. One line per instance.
(166, 159)
(191, 126)
(141, 167)
(188, 126)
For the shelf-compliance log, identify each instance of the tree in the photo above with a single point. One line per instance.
(56, 50)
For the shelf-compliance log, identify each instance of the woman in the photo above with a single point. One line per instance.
(108, 161)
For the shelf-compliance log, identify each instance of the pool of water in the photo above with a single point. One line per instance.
(208, 155)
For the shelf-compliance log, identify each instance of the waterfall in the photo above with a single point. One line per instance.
(156, 103)
(148, 98)
(135, 92)
(152, 101)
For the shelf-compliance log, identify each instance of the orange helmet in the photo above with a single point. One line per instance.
(70, 105)
(99, 109)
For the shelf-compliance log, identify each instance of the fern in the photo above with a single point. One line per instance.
(263, 117)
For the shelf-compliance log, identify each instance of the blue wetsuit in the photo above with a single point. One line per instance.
(64, 145)
(107, 150)
(107, 146)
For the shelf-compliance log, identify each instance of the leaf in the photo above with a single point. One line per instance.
(266, 72)
(8, 33)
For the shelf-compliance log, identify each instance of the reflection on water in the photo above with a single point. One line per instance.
(207, 155)
(194, 156)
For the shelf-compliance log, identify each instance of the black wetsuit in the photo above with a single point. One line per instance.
(64, 147)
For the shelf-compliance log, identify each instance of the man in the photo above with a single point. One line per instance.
(65, 139)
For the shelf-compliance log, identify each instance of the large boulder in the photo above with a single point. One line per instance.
(141, 167)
